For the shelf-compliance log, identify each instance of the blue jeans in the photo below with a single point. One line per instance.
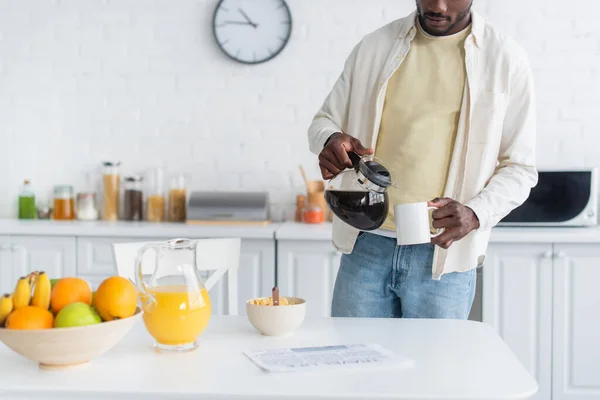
(383, 280)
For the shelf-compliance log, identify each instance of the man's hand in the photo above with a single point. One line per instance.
(457, 219)
(334, 156)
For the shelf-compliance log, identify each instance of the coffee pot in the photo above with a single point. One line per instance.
(358, 195)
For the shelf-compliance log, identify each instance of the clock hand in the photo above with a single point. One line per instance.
(237, 23)
(248, 18)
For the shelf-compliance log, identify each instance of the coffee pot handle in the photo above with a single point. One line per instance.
(355, 159)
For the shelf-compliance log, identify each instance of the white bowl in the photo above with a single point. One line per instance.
(277, 320)
(67, 347)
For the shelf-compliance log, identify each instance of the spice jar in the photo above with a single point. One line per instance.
(133, 199)
(64, 203)
(111, 186)
(155, 203)
(177, 199)
(86, 207)
(313, 215)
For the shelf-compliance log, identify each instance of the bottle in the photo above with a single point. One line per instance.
(27, 208)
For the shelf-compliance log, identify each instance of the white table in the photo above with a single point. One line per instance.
(453, 360)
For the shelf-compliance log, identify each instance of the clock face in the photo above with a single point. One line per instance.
(252, 31)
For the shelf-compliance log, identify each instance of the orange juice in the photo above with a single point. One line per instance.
(179, 316)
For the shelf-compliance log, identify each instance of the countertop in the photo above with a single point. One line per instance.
(133, 229)
(452, 360)
(280, 231)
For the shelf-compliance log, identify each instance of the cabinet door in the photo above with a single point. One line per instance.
(308, 269)
(7, 274)
(517, 302)
(576, 363)
(53, 254)
(256, 273)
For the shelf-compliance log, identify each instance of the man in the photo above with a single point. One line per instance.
(446, 102)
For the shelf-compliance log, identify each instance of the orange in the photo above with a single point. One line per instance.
(69, 290)
(115, 298)
(30, 317)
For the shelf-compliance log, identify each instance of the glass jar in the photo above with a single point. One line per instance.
(64, 203)
(27, 209)
(313, 215)
(111, 186)
(177, 199)
(87, 209)
(133, 199)
(155, 202)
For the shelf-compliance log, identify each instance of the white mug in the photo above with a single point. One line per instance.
(413, 225)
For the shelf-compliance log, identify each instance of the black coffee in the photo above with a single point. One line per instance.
(366, 211)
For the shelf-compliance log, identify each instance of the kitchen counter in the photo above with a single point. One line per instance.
(296, 231)
(132, 229)
(279, 231)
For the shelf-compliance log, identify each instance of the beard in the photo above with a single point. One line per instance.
(459, 18)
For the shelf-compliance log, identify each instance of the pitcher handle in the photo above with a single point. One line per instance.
(146, 298)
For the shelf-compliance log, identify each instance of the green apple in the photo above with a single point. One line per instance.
(53, 282)
(76, 314)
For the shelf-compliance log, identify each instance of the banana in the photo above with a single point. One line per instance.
(22, 293)
(6, 307)
(41, 292)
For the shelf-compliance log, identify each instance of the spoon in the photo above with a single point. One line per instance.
(275, 296)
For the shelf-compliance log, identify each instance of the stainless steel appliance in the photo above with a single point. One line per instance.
(228, 207)
(561, 198)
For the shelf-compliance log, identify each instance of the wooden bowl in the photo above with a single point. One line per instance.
(67, 347)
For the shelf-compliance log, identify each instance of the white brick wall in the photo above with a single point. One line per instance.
(143, 82)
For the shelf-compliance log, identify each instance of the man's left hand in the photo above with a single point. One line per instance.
(457, 219)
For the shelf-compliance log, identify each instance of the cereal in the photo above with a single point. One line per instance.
(268, 301)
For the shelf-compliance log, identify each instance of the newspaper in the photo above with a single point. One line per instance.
(326, 357)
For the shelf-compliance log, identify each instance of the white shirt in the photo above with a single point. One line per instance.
(493, 163)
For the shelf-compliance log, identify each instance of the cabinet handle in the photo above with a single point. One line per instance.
(560, 255)
(5, 247)
(547, 255)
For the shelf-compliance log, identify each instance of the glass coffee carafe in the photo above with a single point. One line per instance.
(358, 195)
(174, 298)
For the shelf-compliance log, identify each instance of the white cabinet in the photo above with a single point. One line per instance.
(576, 362)
(7, 283)
(517, 302)
(53, 254)
(308, 269)
(256, 274)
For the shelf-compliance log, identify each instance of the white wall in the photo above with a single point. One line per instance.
(143, 82)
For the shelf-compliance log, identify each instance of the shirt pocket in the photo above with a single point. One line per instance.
(487, 117)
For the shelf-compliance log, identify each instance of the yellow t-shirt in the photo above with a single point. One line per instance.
(420, 118)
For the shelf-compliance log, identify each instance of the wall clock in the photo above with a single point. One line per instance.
(252, 31)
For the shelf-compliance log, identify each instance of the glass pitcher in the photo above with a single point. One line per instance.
(358, 195)
(175, 299)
